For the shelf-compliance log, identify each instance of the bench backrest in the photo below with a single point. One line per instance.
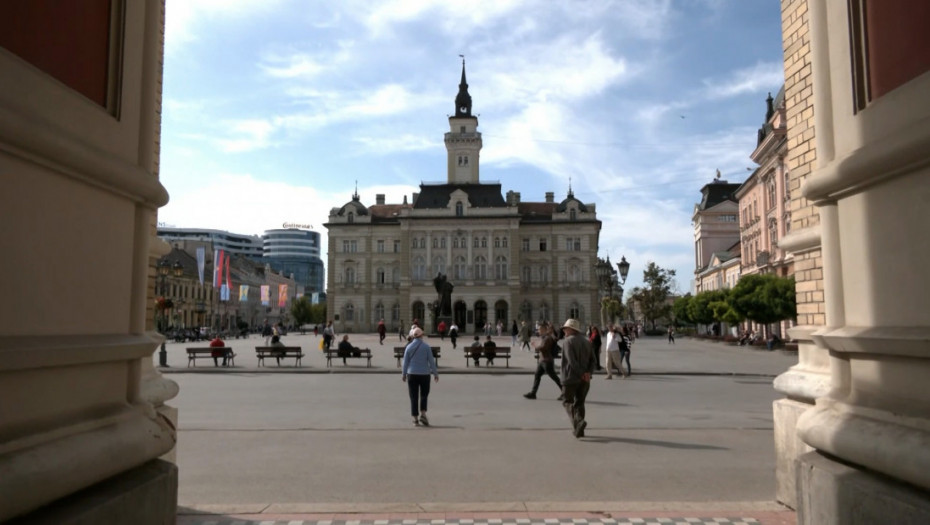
(207, 349)
(278, 348)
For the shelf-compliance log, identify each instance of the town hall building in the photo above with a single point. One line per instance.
(508, 260)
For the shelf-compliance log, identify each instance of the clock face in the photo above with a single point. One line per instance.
(463, 109)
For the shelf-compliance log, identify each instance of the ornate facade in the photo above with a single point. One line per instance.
(508, 260)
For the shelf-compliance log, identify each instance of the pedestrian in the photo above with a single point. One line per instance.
(613, 352)
(626, 344)
(546, 362)
(218, 350)
(441, 328)
(577, 367)
(382, 332)
(500, 328)
(267, 332)
(514, 332)
(595, 338)
(329, 333)
(453, 333)
(525, 335)
(418, 364)
(671, 335)
(400, 331)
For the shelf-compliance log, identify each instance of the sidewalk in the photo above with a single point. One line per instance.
(650, 355)
(523, 513)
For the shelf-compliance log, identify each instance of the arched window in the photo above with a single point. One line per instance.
(395, 312)
(351, 217)
(458, 269)
(571, 215)
(350, 312)
(574, 311)
(379, 311)
(350, 275)
(435, 242)
(504, 242)
(525, 274)
(481, 268)
(418, 269)
(484, 242)
(439, 265)
(455, 242)
(544, 274)
(379, 276)
(497, 242)
(574, 273)
(459, 209)
(413, 242)
(500, 268)
(475, 242)
(442, 242)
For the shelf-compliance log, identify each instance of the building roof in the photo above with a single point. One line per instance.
(716, 192)
(479, 195)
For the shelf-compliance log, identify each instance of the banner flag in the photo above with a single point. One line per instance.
(217, 268)
(265, 292)
(201, 262)
(243, 293)
(282, 295)
(315, 298)
(228, 280)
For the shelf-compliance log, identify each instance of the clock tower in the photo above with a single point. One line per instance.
(463, 141)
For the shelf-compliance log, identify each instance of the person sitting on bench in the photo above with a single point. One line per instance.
(490, 350)
(346, 349)
(276, 342)
(218, 350)
(476, 350)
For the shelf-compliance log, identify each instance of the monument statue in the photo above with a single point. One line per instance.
(444, 289)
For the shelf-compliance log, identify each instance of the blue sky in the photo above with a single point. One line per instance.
(274, 109)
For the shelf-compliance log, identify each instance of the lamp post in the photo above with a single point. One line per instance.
(607, 277)
(163, 268)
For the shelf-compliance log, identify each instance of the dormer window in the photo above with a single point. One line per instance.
(459, 209)
(572, 214)
(351, 217)
(461, 129)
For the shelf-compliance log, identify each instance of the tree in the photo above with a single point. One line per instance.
(680, 309)
(700, 309)
(765, 298)
(612, 307)
(302, 311)
(653, 298)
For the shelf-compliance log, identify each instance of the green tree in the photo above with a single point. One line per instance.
(700, 310)
(302, 311)
(318, 313)
(680, 309)
(612, 307)
(653, 297)
(765, 298)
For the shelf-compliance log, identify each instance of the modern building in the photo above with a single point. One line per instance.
(234, 243)
(508, 260)
(296, 252)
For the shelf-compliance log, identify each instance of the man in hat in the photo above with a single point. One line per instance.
(578, 363)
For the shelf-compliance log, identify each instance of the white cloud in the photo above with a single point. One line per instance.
(760, 77)
(248, 135)
(183, 17)
(395, 143)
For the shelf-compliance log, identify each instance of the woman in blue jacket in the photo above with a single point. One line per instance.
(418, 365)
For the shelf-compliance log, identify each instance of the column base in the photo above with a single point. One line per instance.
(830, 492)
(144, 495)
(788, 447)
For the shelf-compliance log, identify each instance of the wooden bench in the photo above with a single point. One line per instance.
(274, 352)
(500, 352)
(358, 353)
(399, 354)
(206, 352)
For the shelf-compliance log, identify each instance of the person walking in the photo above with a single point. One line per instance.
(418, 365)
(577, 367)
(525, 336)
(546, 362)
(441, 328)
(626, 345)
(453, 333)
(267, 332)
(400, 331)
(514, 332)
(329, 333)
(613, 352)
(671, 335)
(595, 338)
(382, 332)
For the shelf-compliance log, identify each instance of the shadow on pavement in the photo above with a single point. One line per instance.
(651, 442)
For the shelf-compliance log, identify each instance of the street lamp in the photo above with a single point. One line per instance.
(164, 268)
(607, 277)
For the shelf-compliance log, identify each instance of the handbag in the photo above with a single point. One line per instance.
(321, 344)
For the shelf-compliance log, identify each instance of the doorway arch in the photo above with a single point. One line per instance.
(481, 315)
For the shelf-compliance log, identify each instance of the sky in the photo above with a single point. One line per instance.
(274, 110)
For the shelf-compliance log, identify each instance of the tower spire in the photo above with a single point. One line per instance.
(463, 99)
(570, 192)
